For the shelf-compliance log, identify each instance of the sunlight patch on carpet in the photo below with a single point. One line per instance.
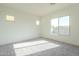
(28, 48)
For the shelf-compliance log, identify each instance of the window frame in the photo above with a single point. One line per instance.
(59, 26)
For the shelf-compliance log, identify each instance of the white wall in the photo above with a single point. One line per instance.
(23, 28)
(73, 38)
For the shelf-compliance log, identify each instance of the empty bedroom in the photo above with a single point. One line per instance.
(39, 29)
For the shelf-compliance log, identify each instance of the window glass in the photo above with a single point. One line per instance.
(60, 25)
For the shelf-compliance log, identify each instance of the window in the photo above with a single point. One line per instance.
(9, 18)
(64, 25)
(60, 25)
(54, 25)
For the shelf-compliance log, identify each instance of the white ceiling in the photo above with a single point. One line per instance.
(37, 9)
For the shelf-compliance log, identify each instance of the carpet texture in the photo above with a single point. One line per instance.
(62, 50)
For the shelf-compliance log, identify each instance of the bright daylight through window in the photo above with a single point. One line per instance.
(60, 25)
(9, 18)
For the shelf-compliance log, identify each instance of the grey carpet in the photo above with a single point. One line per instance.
(63, 50)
